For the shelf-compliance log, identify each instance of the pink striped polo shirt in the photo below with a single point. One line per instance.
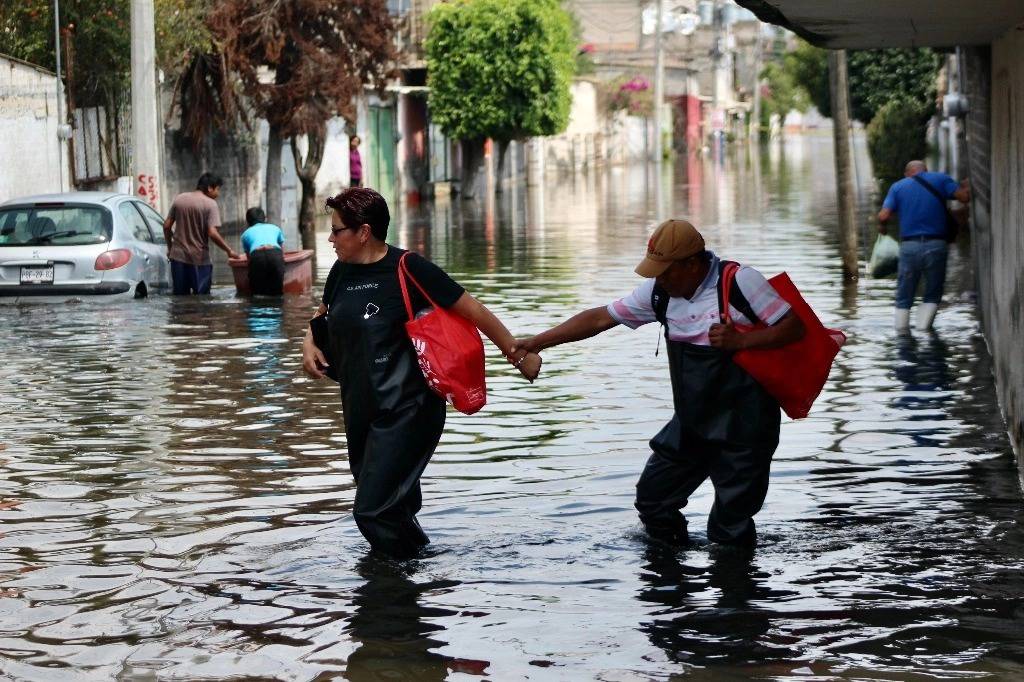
(689, 320)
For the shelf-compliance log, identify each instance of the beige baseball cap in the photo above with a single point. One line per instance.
(672, 240)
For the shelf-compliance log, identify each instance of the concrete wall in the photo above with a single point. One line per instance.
(580, 144)
(1000, 250)
(28, 121)
(235, 158)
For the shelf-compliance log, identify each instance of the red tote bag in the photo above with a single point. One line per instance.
(793, 374)
(449, 349)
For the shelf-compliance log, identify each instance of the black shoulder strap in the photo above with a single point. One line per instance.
(736, 297)
(659, 302)
(928, 186)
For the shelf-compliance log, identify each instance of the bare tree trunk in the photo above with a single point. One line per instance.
(307, 170)
(472, 160)
(274, 175)
(499, 174)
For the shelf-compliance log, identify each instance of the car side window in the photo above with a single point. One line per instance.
(156, 223)
(136, 224)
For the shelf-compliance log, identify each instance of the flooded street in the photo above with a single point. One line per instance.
(175, 498)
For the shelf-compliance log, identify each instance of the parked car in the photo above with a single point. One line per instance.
(78, 244)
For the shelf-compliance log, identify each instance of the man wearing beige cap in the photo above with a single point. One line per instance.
(725, 426)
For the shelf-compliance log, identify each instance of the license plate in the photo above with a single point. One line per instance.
(37, 274)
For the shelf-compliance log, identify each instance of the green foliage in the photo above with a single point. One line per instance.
(876, 77)
(181, 33)
(100, 39)
(500, 68)
(880, 76)
(26, 32)
(780, 93)
(808, 66)
(896, 135)
(99, 36)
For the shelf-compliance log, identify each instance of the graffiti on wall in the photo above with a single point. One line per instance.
(147, 189)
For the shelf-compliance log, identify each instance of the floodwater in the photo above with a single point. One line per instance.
(175, 498)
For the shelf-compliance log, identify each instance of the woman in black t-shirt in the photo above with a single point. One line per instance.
(393, 421)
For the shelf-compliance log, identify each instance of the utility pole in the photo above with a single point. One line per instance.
(844, 173)
(717, 52)
(659, 80)
(146, 176)
(63, 130)
(755, 111)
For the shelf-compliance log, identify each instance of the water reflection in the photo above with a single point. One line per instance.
(175, 494)
(394, 630)
(711, 614)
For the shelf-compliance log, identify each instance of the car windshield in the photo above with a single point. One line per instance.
(54, 225)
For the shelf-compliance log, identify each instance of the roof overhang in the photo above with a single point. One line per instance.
(869, 24)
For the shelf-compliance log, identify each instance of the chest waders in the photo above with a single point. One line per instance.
(725, 427)
(393, 421)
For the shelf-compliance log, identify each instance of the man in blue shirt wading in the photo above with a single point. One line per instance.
(263, 242)
(923, 247)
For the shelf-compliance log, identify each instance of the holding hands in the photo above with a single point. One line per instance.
(527, 362)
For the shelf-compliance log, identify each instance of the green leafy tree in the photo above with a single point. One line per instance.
(893, 91)
(181, 33)
(779, 94)
(896, 135)
(96, 41)
(808, 66)
(875, 76)
(499, 69)
(95, 34)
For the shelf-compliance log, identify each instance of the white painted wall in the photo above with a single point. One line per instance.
(574, 148)
(28, 132)
(1000, 253)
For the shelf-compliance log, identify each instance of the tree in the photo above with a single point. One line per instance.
(499, 69)
(876, 77)
(896, 135)
(809, 67)
(881, 76)
(317, 55)
(99, 38)
(779, 94)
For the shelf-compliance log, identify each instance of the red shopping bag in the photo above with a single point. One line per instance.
(450, 352)
(793, 374)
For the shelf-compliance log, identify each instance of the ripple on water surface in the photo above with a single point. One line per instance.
(175, 495)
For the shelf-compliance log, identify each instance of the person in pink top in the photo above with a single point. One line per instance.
(355, 162)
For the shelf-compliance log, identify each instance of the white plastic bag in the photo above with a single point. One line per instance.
(885, 257)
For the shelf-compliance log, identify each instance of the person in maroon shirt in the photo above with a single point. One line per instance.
(355, 162)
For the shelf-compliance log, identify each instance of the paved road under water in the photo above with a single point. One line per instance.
(174, 494)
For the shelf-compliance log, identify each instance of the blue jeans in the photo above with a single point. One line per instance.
(921, 257)
(191, 279)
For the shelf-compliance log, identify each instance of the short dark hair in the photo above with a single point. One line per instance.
(208, 181)
(255, 215)
(362, 206)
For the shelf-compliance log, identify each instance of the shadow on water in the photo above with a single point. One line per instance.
(393, 629)
(175, 495)
(730, 629)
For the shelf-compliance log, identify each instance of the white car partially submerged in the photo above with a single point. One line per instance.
(78, 245)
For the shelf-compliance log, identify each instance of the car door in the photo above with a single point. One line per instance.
(142, 241)
(156, 229)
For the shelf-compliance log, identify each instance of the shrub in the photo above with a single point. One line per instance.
(896, 135)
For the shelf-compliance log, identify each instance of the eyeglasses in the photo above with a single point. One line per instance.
(335, 231)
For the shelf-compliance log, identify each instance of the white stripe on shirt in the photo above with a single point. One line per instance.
(689, 320)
